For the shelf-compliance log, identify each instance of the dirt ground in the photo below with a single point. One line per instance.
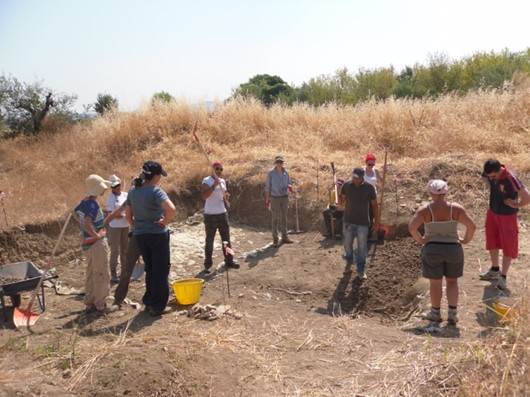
(292, 321)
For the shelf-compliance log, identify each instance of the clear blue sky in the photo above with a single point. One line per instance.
(199, 50)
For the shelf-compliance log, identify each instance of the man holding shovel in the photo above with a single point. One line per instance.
(359, 195)
(215, 196)
(277, 188)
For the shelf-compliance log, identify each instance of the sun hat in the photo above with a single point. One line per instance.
(279, 159)
(369, 157)
(437, 186)
(114, 181)
(96, 185)
(152, 168)
(358, 172)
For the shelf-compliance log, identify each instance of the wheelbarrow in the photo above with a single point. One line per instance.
(16, 278)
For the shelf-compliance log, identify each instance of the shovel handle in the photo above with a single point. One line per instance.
(382, 189)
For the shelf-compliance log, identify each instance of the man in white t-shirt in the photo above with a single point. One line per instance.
(214, 193)
(118, 228)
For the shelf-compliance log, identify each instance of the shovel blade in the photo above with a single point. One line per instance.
(24, 318)
(138, 271)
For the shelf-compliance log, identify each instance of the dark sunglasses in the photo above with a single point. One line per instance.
(218, 168)
(370, 164)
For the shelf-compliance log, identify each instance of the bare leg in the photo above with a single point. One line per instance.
(436, 292)
(506, 261)
(451, 290)
(494, 255)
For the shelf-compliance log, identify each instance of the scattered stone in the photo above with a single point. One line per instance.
(212, 312)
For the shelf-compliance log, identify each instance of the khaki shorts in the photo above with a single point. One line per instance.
(439, 260)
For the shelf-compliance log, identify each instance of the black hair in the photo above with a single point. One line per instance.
(492, 165)
(139, 181)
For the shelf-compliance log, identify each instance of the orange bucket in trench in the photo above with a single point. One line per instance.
(504, 307)
(188, 290)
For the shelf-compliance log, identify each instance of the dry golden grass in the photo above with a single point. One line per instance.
(44, 177)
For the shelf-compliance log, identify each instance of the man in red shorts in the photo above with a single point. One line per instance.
(507, 195)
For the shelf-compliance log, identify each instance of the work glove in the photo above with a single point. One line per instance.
(290, 188)
(268, 204)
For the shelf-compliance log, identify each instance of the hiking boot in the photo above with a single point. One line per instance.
(232, 265)
(207, 269)
(490, 275)
(287, 240)
(432, 315)
(275, 243)
(90, 309)
(362, 275)
(326, 234)
(502, 284)
(452, 316)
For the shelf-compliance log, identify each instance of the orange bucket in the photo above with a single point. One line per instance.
(504, 309)
(188, 290)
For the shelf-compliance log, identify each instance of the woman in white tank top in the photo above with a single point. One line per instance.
(371, 174)
(441, 253)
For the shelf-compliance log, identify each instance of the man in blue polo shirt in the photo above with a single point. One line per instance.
(277, 188)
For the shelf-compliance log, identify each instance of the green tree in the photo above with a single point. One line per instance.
(23, 107)
(265, 88)
(378, 83)
(162, 97)
(105, 103)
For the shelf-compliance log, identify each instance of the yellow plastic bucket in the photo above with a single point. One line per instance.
(188, 290)
(504, 309)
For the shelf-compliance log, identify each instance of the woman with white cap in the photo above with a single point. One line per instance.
(149, 210)
(442, 253)
(118, 228)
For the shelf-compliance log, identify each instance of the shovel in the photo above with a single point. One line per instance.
(379, 236)
(27, 317)
(4, 209)
(297, 231)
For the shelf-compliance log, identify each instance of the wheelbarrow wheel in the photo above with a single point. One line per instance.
(16, 300)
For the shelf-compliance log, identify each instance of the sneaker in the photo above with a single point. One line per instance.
(490, 275)
(502, 284)
(113, 308)
(154, 312)
(362, 275)
(207, 269)
(326, 234)
(287, 240)
(338, 236)
(452, 316)
(232, 265)
(90, 309)
(276, 243)
(432, 315)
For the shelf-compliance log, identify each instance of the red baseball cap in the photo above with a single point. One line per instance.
(369, 157)
(217, 163)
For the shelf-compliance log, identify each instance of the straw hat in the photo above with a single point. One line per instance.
(96, 185)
